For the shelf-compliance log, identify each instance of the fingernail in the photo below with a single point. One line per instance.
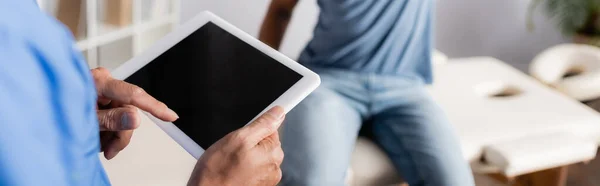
(126, 122)
(171, 112)
(276, 112)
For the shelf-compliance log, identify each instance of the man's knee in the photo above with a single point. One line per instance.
(323, 109)
(318, 140)
(322, 99)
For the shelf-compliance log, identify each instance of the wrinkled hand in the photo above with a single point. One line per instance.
(249, 156)
(118, 104)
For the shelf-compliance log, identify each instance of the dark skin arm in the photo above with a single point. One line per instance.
(276, 22)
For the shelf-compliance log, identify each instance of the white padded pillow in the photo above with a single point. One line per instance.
(552, 64)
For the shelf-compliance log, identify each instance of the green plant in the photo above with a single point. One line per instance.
(573, 17)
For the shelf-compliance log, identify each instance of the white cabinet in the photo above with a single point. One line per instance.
(109, 45)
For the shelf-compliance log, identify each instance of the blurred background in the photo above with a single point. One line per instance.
(463, 27)
(496, 28)
(110, 32)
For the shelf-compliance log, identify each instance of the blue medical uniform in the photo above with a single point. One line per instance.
(48, 123)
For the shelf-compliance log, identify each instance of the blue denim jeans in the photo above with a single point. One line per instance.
(319, 134)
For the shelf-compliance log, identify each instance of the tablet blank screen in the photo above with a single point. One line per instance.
(215, 82)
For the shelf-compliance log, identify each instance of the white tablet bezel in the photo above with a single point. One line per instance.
(309, 82)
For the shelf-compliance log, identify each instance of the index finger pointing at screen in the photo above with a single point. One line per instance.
(127, 93)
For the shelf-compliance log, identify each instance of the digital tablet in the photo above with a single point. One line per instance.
(216, 78)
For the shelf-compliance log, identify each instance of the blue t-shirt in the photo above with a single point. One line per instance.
(377, 36)
(48, 123)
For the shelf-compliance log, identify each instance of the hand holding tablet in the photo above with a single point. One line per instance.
(216, 78)
(219, 80)
(251, 154)
(242, 153)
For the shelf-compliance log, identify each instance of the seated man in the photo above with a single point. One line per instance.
(374, 58)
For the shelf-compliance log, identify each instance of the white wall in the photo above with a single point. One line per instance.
(493, 28)
(463, 27)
